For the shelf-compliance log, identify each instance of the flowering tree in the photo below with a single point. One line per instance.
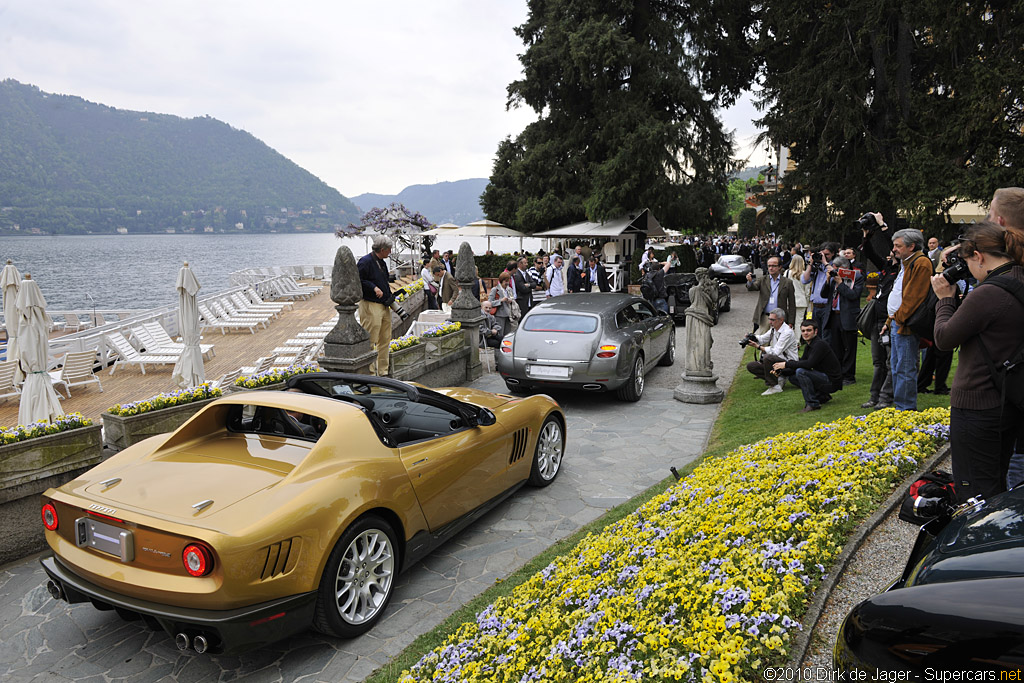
(395, 221)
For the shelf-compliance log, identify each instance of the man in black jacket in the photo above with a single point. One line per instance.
(597, 276)
(374, 314)
(524, 285)
(817, 373)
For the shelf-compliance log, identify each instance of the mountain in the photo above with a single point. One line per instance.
(72, 166)
(449, 202)
(749, 173)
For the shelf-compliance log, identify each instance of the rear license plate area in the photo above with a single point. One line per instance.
(548, 371)
(107, 538)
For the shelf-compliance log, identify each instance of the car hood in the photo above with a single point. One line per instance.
(224, 469)
(980, 542)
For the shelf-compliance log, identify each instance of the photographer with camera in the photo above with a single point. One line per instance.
(987, 327)
(817, 277)
(841, 321)
(817, 372)
(377, 302)
(777, 344)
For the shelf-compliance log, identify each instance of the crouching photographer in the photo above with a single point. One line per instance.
(378, 301)
(817, 373)
(776, 345)
(986, 326)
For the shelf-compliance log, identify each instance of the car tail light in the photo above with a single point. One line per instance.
(607, 351)
(50, 520)
(198, 559)
(506, 346)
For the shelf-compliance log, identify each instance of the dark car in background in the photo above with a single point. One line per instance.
(958, 607)
(593, 342)
(678, 286)
(731, 268)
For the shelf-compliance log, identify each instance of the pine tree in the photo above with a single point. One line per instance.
(626, 95)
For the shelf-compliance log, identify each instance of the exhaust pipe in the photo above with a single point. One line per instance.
(512, 380)
(593, 387)
(54, 590)
(199, 644)
(181, 640)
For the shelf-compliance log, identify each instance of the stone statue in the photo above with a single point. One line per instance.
(347, 347)
(703, 296)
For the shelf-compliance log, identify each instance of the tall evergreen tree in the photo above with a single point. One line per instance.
(626, 94)
(891, 106)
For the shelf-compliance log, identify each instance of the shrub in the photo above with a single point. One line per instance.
(175, 398)
(269, 377)
(9, 435)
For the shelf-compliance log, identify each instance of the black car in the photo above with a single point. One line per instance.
(959, 605)
(678, 286)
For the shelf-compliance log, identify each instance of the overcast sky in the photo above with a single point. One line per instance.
(367, 96)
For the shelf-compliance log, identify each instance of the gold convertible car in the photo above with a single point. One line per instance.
(272, 511)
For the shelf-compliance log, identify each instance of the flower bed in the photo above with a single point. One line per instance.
(442, 330)
(9, 435)
(443, 339)
(704, 581)
(175, 398)
(269, 377)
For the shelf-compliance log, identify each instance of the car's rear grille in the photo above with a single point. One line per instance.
(519, 440)
(281, 558)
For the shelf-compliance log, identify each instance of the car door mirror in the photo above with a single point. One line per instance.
(485, 418)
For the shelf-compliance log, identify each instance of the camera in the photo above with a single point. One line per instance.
(956, 268)
(867, 222)
(397, 307)
(749, 338)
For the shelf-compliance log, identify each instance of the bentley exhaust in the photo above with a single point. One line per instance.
(181, 640)
(593, 387)
(199, 644)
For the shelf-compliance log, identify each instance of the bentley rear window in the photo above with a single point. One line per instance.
(556, 322)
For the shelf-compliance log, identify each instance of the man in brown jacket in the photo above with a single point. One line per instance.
(908, 293)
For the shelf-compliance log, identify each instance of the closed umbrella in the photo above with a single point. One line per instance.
(188, 371)
(10, 280)
(38, 399)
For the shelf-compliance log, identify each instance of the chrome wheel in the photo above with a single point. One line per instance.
(364, 576)
(547, 458)
(638, 376)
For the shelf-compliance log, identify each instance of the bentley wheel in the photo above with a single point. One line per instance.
(633, 389)
(547, 457)
(358, 580)
(670, 353)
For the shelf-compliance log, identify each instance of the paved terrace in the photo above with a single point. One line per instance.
(233, 350)
(614, 451)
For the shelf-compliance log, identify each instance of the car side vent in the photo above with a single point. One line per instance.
(519, 445)
(280, 558)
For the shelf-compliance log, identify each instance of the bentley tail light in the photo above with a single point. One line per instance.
(50, 517)
(506, 346)
(607, 351)
(198, 559)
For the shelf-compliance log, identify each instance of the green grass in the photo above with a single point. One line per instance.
(746, 417)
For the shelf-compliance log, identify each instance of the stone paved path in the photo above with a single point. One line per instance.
(614, 451)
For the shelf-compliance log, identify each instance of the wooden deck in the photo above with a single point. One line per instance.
(233, 350)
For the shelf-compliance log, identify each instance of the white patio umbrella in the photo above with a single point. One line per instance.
(188, 371)
(10, 280)
(38, 399)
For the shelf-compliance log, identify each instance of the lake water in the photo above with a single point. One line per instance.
(139, 271)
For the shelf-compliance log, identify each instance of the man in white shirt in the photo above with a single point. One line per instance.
(778, 344)
(555, 277)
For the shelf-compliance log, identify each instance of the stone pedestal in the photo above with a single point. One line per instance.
(347, 347)
(466, 309)
(699, 389)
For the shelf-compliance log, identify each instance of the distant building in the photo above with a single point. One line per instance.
(208, 228)
(122, 231)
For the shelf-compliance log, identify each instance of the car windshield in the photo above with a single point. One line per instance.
(559, 322)
(730, 261)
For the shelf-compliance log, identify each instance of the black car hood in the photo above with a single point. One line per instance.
(985, 541)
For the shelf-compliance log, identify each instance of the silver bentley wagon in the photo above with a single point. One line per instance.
(590, 341)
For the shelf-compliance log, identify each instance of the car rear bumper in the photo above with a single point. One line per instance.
(225, 630)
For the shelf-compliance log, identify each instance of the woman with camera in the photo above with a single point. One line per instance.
(985, 325)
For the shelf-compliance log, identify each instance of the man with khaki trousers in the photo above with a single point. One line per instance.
(374, 314)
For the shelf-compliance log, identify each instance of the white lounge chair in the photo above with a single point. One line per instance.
(225, 310)
(7, 386)
(262, 365)
(257, 299)
(226, 380)
(78, 368)
(211, 320)
(163, 340)
(243, 304)
(128, 354)
(72, 323)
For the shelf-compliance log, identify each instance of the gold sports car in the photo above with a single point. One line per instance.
(272, 511)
